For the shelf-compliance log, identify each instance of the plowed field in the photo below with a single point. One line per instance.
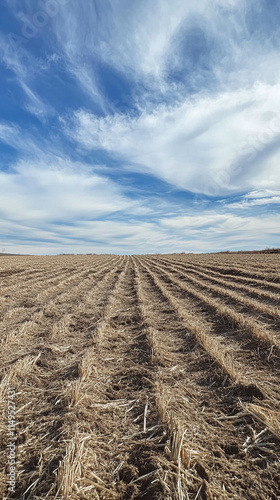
(140, 377)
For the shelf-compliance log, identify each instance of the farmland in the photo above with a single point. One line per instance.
(141, 377)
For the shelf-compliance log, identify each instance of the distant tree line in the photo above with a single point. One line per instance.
(266, 250)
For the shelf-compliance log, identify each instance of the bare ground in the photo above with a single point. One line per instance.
(144, 377)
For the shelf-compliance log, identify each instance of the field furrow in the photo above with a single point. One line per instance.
(193, 397)
(19, 293)
(115, 416)
(233, 278)
(36, 310)
(201, 331)
(45, 377)
(247, 323)
(140, 377)
(245, 271)
(37, 271)
(241, 356)
(250, 289)
(267, 312)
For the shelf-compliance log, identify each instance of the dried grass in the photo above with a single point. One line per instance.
(18, 370)
(115, 408)
(211, 277)
(202, 332)
(253, 327)
(74, 393)
(86, 365)
(70, 470)
(268, 417)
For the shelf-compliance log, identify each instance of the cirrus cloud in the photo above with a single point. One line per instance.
(213, 145)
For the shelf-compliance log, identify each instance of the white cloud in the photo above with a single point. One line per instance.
(216, 131)
(21, 141)
(142, 34)
(147, 41)
(132, 38)
(58, 191)
(226, 230)
(110, 236)
(212, 145)
(244, 204)
(265, 193)
(207, 232)
(24, 68)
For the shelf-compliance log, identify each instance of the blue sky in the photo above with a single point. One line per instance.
(139, 127)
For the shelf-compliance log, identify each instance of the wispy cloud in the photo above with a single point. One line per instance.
(120, 34)
(159, 126)
(24, 143)
(19, 61)
(58, 191)
(206, 232)
(257, 198)
(212, 230)
(258, 202)
(204, 145)
(168, 47)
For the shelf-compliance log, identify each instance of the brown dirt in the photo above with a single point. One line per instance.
(129, 386)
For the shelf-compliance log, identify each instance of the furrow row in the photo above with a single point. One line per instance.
(110, 412)
(225, 348)
(190, 407)
(200, 271)
(242, 268)
(246, 323)
(53, 391)
(20, 294)
(38, 323)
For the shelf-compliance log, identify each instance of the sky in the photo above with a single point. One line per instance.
(136, 127)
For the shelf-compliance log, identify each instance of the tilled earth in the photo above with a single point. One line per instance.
(141, 377)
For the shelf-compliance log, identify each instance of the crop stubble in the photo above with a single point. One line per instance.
(152, 377)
